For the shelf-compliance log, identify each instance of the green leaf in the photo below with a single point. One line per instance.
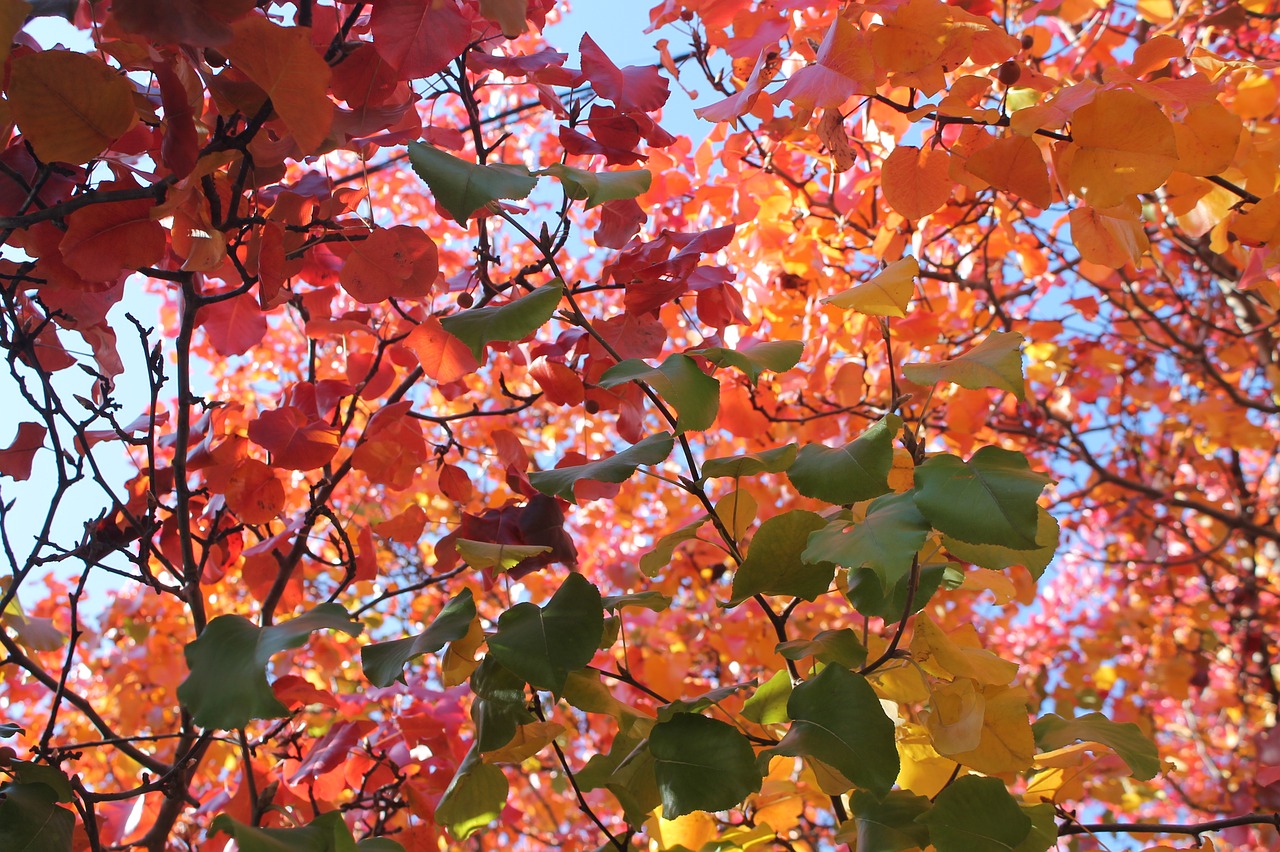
(384, 662)
(888, 824)
(997, 558)
(43, 773)
(32, 819)
(837, 719)
(768, 705)
(694, 395)
(696, 705)
(990, 499)
(626, 770)
(974, 814)
(768, 461)
(701, 764)
(857, 471)
(325, 833)
(599, 187)
(776, 356)
(543, 644)
(869, 598)
(227, 687)
(615, 468)
(1044, 828)
(994, 363)
(655, 601)
(462, 187)
(773, 565)
(515, 320)
(488, 554)
(664, 548)
(474, 799)
(1125, 738)
(886, 541)
(8, 729)
(840, 647)
(499, 707)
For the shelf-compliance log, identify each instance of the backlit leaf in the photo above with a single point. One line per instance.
(917, 182)
(768, 704)
(326, 833)
(616, 468)
(1124, 146)
(775, 356)
(996, 362)
(857, 471)
(1014, 164)
(69, 106)
(997, 558)
(103, 240)
(400, 262)
(678, 380)
(384, 662)
(514, 320)
(701, 764)
(16, 459)
(886, 294)
(989, 499)
(598, 187)
(474, 798)
(838, 647)
(462, 187)
(750, 464)
(227, 686)
(664, 548)
(1125, 738)
(773, 565)
(443, 357)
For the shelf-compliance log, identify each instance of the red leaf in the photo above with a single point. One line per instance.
(619, 221)
(295, 441)
(560, 385)
(636, 87)
(15, 461)
(294, 691)
(454, 483)
(333, 749)
(406, 527)
(202, 23)
(234, 325)
(419, 38)
(844, 66)
(392, 449)
(254, 493)
(103, 240)
(400, 262)
(444, 357)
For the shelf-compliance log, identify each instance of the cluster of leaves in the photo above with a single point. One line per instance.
(506, 469)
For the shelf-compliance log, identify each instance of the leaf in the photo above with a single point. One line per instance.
(694, 395)
(768, 704)
(990, 499)
(1123, 146)
(488, 554)
(13, 14)
(776, 356)
(227, 687)
(419, 39)
(701, 764)
(201, 23)
(616, 468)
(500, 706)
(543, 644)
(474, 798)
(773, 565)
(942, 656)
(1125, 738)
(839, 647)
(9, 729)
(400, 262)
(750, 464)
(598, 187)
(1114, 238)
(997, 558)
(843, 66)
(917, 182)
(857, 471)
(664, 548)
(868, 596)
(234, 325)
(1044, 828)
(653, 601)
(70, 106)
(837, 719)
(885, 295)
(696, 705)
(326, 833)
(104, 240)
(885, 541)
(462, 187)
(889, 824)
(16, 459)
(1005, 743)
(974, 814)
(294, 440)
(1014, 164)
(443, 357)
(1207, 139)
(254, 493)
(284, 63)
(996, 362)
(384, 662)
(515, 320)
(31, 819)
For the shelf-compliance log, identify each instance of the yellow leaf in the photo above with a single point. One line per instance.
(1006, 742)
(70, 106)
(1122, 146)
(690, 831)
(885, 295)
(1111, 239)
(923, 771)
(1260, 224)
(529, 740)
(737, 511)
(938, 654)
(460, 656)
(1207, 139)
(955, 717)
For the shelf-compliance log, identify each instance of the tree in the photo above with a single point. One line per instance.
(505, 468)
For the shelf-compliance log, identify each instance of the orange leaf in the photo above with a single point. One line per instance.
(400, 262)
(392, 449)
(917, 182)
(405, 527)
(444, 357)
(1112, 239)
(1014, 164)
(1207, 139)
(560, 384)
(295, 441)
(454, 483)
(254, 493)
(15, 460)
(1124, 146)
(286, 66)
(843, 67)
(103, 240)
(1260, 224)
(70, 106)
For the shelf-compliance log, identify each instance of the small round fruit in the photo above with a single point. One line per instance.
(1027, 41)
(591, 406)
(686, 15)
(1009, 73)
(465, 300)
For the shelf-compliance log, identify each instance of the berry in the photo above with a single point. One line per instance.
(465, 300)
(591, 406)
(1009, 73)
(1027, 41)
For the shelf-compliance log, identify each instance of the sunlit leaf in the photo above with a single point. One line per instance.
(989, 499)
(774, 566)
(1125, 738)
(70, 106)
(616, 468)
(775, 356)
(885, 294)
(996, 362)
(886, 540)
(694, 395)
(598, 187)
(462, 187)
(384, 662)
(839, 647)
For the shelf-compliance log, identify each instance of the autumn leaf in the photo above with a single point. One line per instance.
(103, 240)
(842, 68)
(17, 458)
(996, 362)
(885, 294)
(1014, 163)
(443, 357)
(917, 181)
(1123, 145)
(294, 440)
(70, 106)
(384, 662)
(254, 493)
(418, 39)
(400, 262)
